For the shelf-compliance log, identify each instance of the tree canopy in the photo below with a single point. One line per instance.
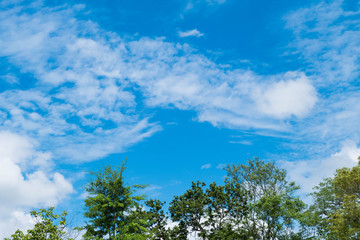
(255, 201)
(335, 212)
(112, 208)
(48, 225)
(273, 207)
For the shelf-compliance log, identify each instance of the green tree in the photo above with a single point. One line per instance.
(189, 208)
(226, 211)
(335, 212)
(112, 208)
(157, 220)
(48, 225)
(215, 212)
(273, 208)
(179, 232)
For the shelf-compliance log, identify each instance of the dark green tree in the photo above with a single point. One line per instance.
(225, 211)
(157, 220)
(112, 208)
(179, 232)
(48, 225)
(213, 213)
(189, 208)
(273, 208)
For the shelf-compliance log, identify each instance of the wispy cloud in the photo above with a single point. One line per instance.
(206, 166)
(75, 92)
(221, 166)
(191, 4)
(82, 100)
(78, 102)
(152, 191)
(326, 38)
(243, 142)
(190, 33)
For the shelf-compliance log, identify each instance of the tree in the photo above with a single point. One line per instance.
(112, 208)
(335, 212)
(189, 208)
(157, 220)
(48, 225)
(179, 232)
(226, 211)
(213, 213)
(273, 209)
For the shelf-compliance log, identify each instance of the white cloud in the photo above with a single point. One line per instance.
(243, 142)
(285, 98)
(24, 183)
(190, 33)
(191, 4)
(309, 173)
(206, 166)
(327, 37)
(80, 103)
(79, 98)
(82, 106)
(152, 191)
(221, 166)
(177, 77)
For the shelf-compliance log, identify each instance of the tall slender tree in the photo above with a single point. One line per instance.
(112, 208)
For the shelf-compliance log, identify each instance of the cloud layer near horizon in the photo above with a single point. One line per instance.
(27, 180)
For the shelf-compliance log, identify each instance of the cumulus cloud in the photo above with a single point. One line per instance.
(190, 33)
(285, 98)
(25, 182)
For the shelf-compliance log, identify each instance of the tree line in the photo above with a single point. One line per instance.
(255, 201)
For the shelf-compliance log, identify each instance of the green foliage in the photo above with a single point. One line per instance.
(225, 211)
(255, 202)
(48, 225)
(113, 210)
(157, 220)
(179, 232)
(189, 208)
(273, 209)
(212, 213)
(335, 213)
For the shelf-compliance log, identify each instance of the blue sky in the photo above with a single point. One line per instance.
(180, 88)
